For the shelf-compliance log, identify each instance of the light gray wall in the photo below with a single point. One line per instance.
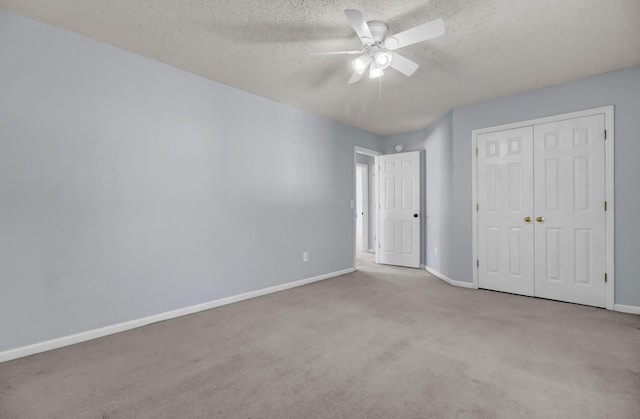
(370, 162)
(619, 88)
(130, 188)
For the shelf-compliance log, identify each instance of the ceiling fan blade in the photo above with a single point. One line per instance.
(353, 52)
(355, 77)
(356, 20)
(420, 33)
(403, 65)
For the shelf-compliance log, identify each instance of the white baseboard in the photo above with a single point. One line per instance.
(447, 279)
(617, 307)
(132, 324)
(626, 309)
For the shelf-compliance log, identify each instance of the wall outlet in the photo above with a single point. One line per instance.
(353, 203)
(435, 251)
(305, 256)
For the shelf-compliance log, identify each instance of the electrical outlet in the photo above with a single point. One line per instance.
(305, 256)
(435, 251)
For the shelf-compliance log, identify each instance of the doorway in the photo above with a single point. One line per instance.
(364, 205)
(386, 207)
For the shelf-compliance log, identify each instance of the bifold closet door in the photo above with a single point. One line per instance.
(505, 209)
(569, 200)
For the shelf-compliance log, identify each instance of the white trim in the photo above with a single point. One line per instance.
(609, 214)
(366, 151)
(608, 112)
(365, 204)
(547, 119)
(474, 208)
(133, 324)
(376, 209)
(627, 309)
(447, 279)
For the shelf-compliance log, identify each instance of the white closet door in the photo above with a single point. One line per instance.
(505, 200)
(400, 209)
(569, 196)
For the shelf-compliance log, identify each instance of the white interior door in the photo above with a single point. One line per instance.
(569, 199)
(399, 198)
(505, 211)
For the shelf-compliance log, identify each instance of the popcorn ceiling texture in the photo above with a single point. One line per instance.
(492, 48)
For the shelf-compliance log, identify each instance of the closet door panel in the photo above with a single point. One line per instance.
(505, 199)
(569, 195)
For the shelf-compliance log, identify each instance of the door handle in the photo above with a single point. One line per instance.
(527, 219)
(415, 215)
(539, 219)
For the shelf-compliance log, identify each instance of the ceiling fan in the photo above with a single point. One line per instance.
(377, 51)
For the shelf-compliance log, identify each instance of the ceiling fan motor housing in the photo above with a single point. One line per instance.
(378, 30)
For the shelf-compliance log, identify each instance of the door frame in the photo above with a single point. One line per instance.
(371, 153)
(608, 112)
(365, 205)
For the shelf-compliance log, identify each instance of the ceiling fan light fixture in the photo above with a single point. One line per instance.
(360, 64)
(391, 43)
(383, 59)
(375, 71)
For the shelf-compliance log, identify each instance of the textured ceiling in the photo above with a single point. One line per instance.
(491, 48)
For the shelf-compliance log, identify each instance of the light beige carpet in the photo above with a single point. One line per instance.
(384, 342)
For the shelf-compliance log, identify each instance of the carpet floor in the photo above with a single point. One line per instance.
(383, 342)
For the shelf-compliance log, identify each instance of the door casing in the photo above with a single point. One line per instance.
(608, 112)
(364, 217)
